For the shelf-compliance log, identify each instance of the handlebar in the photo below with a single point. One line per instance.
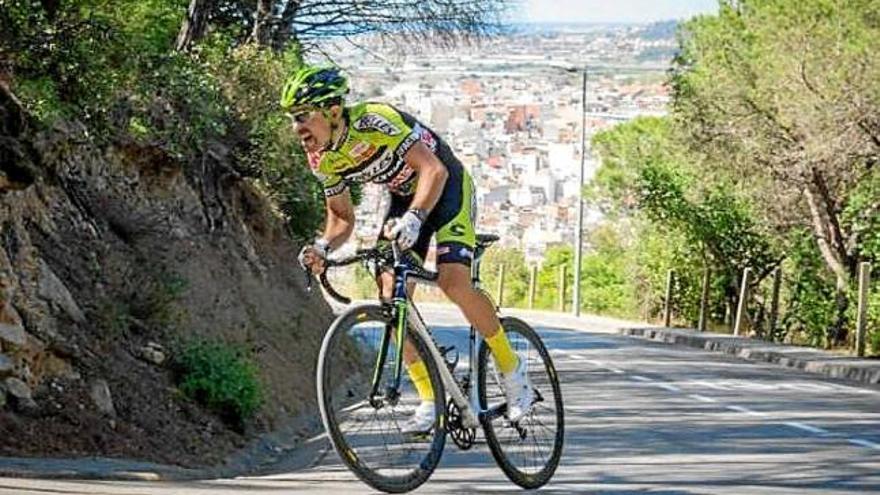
(382, 257)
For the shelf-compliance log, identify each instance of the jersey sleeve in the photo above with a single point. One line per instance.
(386, 126)
(333, 183)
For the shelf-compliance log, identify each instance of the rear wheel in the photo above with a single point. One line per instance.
(368, 435)
(529, 450)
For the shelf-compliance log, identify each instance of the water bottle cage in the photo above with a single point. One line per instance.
(445, 351)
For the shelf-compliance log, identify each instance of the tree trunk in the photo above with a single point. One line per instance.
(262, 23)
(195, 24)
(826, 228)
(284, 32)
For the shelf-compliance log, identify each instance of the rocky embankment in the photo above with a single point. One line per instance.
(112, 256)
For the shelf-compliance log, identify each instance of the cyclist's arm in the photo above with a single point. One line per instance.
(432, 176)
(340, 219)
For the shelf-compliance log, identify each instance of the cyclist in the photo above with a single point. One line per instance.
(431, 194)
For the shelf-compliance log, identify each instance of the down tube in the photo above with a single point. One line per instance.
(448, 380)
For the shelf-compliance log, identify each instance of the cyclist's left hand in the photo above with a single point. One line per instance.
(406, 230)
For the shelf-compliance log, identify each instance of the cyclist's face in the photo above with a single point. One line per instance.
(313, 127)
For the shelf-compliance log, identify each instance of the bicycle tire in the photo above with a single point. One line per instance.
(339, 386)
(501, 436)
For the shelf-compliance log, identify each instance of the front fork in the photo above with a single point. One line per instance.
(398, 326)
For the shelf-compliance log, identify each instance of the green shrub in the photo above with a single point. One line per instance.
(222, 377)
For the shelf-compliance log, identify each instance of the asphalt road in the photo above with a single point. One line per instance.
(641, 418)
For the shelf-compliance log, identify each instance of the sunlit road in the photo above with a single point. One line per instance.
(641, 418)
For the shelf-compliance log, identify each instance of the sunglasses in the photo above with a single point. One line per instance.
(302, 116)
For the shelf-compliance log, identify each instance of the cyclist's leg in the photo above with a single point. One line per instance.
(414, 366)
(454, 218)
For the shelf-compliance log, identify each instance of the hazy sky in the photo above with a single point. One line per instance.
(614, 10)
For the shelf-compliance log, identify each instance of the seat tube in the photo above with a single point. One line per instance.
(475, 339)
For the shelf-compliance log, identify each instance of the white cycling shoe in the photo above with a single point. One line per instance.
(422, 420)
(518, 390)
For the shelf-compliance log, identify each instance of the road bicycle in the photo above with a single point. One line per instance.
(366, 395)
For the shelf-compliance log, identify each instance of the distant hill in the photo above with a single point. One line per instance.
(659, 30)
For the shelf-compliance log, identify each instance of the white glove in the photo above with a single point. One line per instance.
(406, 229)
(307, 254)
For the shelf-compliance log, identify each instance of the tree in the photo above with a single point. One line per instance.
(278, 23)
(194, 24)
(784, 94)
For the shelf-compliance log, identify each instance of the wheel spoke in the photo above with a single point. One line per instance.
(529, 459)
(371, 439)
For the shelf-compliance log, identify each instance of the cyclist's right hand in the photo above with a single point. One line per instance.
(312, 257)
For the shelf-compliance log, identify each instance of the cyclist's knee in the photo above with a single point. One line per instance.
(454, 280)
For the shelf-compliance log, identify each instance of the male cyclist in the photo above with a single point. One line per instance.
(431, 194)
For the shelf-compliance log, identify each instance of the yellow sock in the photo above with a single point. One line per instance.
(418, 373)
(505, 358)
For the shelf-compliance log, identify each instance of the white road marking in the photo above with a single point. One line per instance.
(806, 427)
(615, 370)
(864, 443)
(709, 384)
(703, 398)
(598, 364)
(745, 410)
(641, 378)
(671, 388)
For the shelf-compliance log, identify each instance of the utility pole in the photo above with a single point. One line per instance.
(578, 233)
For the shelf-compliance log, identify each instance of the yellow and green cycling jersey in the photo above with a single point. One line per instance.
(372, 148)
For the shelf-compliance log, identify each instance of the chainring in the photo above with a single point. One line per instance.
(463, 437)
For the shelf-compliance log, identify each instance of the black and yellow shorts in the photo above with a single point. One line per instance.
(452, 219)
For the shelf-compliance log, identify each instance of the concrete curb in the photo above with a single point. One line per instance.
(97, 468)
(273, 457)
(803, 358)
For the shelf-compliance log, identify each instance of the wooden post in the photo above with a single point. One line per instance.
(501, 285)
(533, 276)
(774, 301)
(861, 320)
(704, 300)
(743, 303)
(667, 302)
(562, 269)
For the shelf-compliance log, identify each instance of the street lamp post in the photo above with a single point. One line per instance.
(578, 233)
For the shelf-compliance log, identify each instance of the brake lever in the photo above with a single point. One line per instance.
(308, 274)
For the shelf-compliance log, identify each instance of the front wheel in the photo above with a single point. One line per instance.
(370, 434)
(529, 450)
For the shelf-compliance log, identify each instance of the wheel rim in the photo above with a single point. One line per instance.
(531, 447)
(370, 439)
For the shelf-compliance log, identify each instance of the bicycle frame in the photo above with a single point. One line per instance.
(405, 312)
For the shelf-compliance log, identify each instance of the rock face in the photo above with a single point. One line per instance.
(12, 336)
(20, 395)
(112, 255)
(100, 393)
(153, 353)
(6, 366)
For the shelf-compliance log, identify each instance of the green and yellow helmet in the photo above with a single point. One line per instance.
(314, 87)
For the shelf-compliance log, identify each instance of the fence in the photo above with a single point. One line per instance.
(741, 316)
(561, 302)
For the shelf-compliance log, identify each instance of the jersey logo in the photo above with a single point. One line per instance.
(362, 151)
(375, 122)
(457, 229)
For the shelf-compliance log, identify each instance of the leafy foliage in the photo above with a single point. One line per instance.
(112, 65)
(222, 377)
